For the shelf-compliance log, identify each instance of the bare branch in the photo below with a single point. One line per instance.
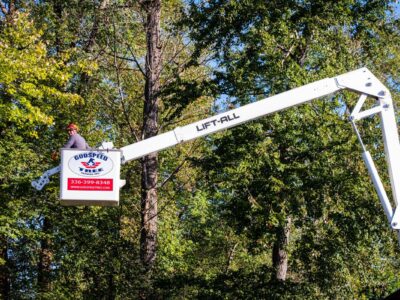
(230, 257)
(132, 130)
(177, 169)
(177, 53)
(135, 60)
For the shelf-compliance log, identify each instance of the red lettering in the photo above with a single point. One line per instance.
(76, 184)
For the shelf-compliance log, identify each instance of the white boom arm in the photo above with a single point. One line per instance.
(45, 178)
(361, 81)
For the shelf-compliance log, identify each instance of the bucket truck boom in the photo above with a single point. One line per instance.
(360, 81)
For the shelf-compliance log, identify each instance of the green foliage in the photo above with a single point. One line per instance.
(302, 163)
(32, 82)
(222, 200)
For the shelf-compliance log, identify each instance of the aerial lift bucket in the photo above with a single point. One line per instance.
(90, 177)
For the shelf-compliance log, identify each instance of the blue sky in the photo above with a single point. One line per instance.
(397, 9)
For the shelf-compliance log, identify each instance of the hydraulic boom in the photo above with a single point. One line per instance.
(360, 81)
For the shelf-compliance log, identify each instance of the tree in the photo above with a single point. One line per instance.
(116, 109)
(33, 85)
(150, 128)
(267, 169)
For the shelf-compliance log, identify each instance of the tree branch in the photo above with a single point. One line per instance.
(135, 60)
(121, 94)
(3, 8)
(177, 169)
(230, 257)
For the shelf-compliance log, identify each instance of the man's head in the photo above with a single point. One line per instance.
(72, 129)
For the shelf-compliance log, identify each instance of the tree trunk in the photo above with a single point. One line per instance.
(279, 252)
(148, 238)
(4, 271)
(45, 259)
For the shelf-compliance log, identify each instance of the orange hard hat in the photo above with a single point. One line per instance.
(72, 126)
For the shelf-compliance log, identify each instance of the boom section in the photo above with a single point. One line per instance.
(361, 81)
(231, 118)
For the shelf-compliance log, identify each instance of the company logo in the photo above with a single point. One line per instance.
(90, 164)
(221, 120)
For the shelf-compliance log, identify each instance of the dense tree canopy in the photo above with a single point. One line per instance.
(295, 172)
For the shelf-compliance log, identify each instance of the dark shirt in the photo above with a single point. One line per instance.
(77, 141)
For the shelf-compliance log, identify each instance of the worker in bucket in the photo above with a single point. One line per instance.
(75, 140)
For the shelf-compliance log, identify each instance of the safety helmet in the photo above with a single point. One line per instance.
(72, 126)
